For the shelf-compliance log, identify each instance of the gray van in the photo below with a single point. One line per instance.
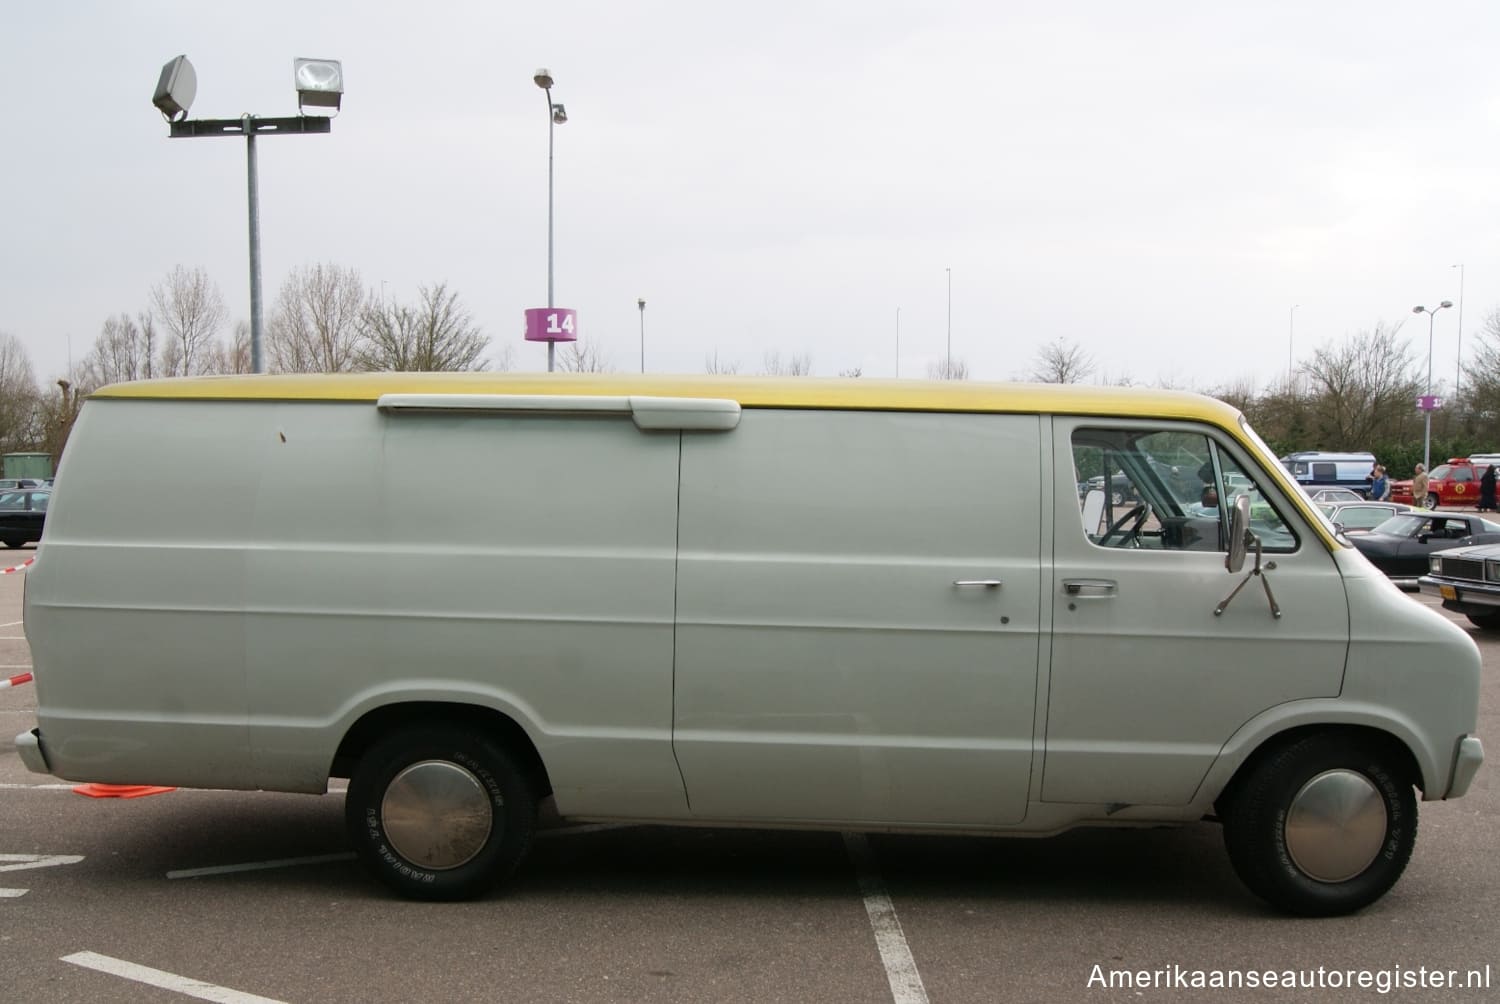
(1317, 469)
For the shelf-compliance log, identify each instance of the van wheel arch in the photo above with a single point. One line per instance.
(375, 725)
(1390, 745)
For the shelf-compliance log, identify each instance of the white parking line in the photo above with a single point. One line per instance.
(12, 624)
(254, 866)
(35, 787)
(900, 968)
(167, 981)
(15, 665)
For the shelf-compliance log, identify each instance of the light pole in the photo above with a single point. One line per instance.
(320, 84)
(642, 304)
(1291, 321)
(948, 367)
(898, 343)
(1458, 366)
(556, 116)
(1427, 402)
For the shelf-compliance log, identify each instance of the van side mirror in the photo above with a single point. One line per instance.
(1239, 534)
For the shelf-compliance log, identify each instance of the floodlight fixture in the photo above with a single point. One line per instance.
(320, 83)
(175, 89)
(559, 114)
(543, 79)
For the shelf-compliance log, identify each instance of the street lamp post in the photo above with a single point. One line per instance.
(898, 343)
(1427, 401)
(1291, 321)
(556, 116)
(1458, 366)
(320, 84)
(948, 367)
(642, 305)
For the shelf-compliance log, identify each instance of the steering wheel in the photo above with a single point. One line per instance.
(1137, 513)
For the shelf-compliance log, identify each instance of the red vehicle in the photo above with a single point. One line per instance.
(1455, 483)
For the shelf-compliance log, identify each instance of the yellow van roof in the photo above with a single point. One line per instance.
(750, 392)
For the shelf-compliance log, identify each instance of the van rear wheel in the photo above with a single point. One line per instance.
(440, 812)
(1324, 826)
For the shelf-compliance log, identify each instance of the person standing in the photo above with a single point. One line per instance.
(1487, 490)
(1419, 488)
(1380, 485)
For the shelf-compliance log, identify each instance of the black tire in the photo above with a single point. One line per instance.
(1260, 805)
(1489, 621)
(1430, 502)
(15, 543)
(464, 819)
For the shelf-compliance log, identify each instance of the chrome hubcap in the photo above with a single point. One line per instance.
(436, 814)
(1336, 825)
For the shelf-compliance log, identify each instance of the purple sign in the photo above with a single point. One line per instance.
(551, 324)
(1428, 402)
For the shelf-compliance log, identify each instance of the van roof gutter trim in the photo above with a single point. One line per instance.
(695, 414)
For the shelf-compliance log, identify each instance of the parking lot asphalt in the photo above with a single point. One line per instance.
(240, 897)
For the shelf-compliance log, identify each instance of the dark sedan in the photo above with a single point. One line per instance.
(1399, 547)
(1467, 579)
(22, 514)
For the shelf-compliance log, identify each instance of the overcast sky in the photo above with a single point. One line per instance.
(1158, 182)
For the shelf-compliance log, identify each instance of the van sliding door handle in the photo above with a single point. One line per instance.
(1089, 589)
(986, 583)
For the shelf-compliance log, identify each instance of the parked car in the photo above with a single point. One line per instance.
(1453, 483)
(23, 511)
(1361, 516)
(1313, 469)
(1467, 579)
(1399, 547)
(1336, 495)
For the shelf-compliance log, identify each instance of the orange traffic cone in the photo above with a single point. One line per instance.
(95, 790)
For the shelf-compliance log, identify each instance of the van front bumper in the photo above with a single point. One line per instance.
(1465, 765)
(29, 745)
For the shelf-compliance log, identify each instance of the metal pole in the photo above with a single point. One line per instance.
(1427, 413)
(898, 343)
(1458, 365)
(257, 360)
(948, 374)
(551, 128)
(1291, 321)
(642, 304)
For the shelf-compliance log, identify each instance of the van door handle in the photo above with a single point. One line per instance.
(1090, 589)
(986, 583)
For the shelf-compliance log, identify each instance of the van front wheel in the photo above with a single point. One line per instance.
(440, 812)
(1324, 826)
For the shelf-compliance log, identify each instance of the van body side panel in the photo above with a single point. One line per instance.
(1147, 684)
(522, 563)
(828, 667)
(135, 606)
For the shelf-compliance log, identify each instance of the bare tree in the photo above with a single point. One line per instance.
(711, 364)
(190, 307)
(125, 350)
(948, 369)
(1364, 390)
(584, 357)
(1481, 390)
(18, 395)
(1061, 362)
(233, 357)
(436, 334)
(773, 365)
(852, 372)
(318, 324)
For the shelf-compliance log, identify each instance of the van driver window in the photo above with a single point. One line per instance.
(1166, 491)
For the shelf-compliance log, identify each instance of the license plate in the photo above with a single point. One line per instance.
(1449, 593)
